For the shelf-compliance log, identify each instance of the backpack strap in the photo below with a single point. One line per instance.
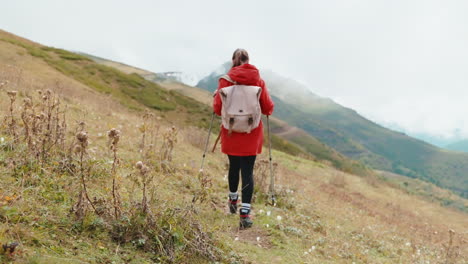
(231, 119)
(227, 78)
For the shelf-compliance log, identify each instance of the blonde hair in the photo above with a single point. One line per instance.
(239, 57)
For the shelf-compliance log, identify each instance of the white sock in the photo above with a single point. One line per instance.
(233, 196)
(245, 208)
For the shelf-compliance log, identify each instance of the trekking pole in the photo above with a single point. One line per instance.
(272, 178)
(207, 141)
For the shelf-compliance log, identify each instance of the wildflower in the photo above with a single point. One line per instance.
(408, 244)
(261, 211)
(279, 218)
(2, 139)
(258, 239)
(268, 213)
(267, 225)
(236, 239)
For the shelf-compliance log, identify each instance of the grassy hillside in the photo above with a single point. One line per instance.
(358, 138)
(163, 210)
(426, 190)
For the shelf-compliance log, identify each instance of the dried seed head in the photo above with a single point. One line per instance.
(12, 94)
(39, 92)
(82, 136)
(77, 149)
(27, 103)
(144, 169)
(42, 116)
(113, 133)
(45, 97)
(48, 92)
(114, 136)
(148, 115)
(139, 165)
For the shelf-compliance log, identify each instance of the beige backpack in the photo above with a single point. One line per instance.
(241, 110)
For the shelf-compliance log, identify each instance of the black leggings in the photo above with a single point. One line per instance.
(245, 164)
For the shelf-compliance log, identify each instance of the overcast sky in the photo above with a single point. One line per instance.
(402, 63)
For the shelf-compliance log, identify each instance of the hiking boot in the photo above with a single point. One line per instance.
(245, 221)
(233, 206)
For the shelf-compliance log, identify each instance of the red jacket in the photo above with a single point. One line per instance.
(243, 144)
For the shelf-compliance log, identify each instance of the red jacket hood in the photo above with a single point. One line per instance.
(245, 74)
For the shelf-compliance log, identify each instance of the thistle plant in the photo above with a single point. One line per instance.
(205, 185)
(451, 251)
(169, 141)
(12, 123)
(26, 117)
(114, 137)
(146, 179)
(49, 104)
(80, 149)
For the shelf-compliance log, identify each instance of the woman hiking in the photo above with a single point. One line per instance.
(242, 148)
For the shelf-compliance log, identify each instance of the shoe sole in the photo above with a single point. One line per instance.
(245, 225)
(233, 208)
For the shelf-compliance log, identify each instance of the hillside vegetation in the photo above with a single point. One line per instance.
(93, 175)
